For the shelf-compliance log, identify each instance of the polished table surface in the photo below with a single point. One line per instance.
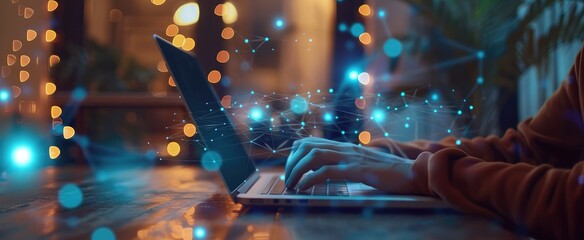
(186, 202)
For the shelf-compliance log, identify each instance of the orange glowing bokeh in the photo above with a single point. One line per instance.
(214, 76)
(223, 56)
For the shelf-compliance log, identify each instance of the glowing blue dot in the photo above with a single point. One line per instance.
(256, 114)
(279, 23)
(253, 51)
(403, 94)
(331, 90)
(353, 75)
(407, 125)
(459, 112)
(392, 48)
(199, 232)
(381, 13)
(282, 177)
(343, 132)
(458, 142)
(480, 80)
(211, 161)
(435, 97)
(471, 107)
(79, 94)
(4, 95)
(303, 123)
(22, 156)
(103, 233)
(327, 117)
(357, 29)
(70, 196)
(480, 54)
(266, 39)
(378, 115)
(246, 40)
(449, 131)
(299, 105)
(343, 27)
(386, 134)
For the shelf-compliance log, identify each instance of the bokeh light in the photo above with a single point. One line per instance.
(256, 114)
(189, 44)
(223, 56)
(365, 38)
(392, 48)
(24, 76)
(353, 74)
(10, 59)
(227, 33)
(190, 130)
(24, 60)
(214, 76)
(68, 132)
(4, 95)
(158, 2)
(54, 60)
(79, 94)
(56, 111)
(229, 13)
(70, 196)
(365, 137)
(211, 161)
(103, 233)
(357, 29)
(200, 232)
(52, 5)
(360, 103)
(378, 115)
(327, 117)
(172, 30)
(16, 45)
(187, 14)
(30, 35)
(22, 156)
(365, 10)
(173, 148)
(364, 78)
(50, 88)
(54, 152)
(50, 35)
(279, 23)
(299, 105)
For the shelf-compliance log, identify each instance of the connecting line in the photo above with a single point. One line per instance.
(442, 65)
(386, 28)
(459, 45)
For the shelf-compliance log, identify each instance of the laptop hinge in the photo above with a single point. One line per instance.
(246, 185)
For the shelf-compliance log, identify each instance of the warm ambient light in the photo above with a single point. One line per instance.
(365, 10)
(28, 12)
(189, 44)
(365, 38)
(24, 60)
(173, 149)
(226, 101)
(227, 33)
(158, 2)
(56, 111)
(171, 82)
(50, 35)
(189, 130)
(178, 40)
(223, 56)
(24, 76)
(30, 35)
(50, 88)
(54, 152)
(365, 137)
(186, 14)
(54, 60)
(68, 132)
(214, 76)
(10, 59)
(52, 5)
(16, 45)
(171, 30)
(229, 13)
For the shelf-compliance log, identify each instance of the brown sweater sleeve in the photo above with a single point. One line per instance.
(532, 178)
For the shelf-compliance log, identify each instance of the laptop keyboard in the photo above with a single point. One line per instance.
(276, 186)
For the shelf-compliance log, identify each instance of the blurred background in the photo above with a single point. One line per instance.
(84, 83)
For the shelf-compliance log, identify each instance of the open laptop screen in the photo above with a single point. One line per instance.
(223, 147)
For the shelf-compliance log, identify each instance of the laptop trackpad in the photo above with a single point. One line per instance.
(360, 189)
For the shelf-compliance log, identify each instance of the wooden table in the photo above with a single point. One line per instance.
(169, 202)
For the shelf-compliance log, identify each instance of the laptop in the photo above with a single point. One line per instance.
(245, 183)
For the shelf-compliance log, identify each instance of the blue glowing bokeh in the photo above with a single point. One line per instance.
(343, 27)
(79, 94)
(327, 117)
(458, 142)
(392, 48)
(256, 114)
(199, 232)
(299, 105)
(435, 97)
(4, 95)
(381, 13)
(480, 54)
(378, 115)
(211, 161)
(103, 233)
(279, 23)
(21, 156)
(357, 29)
(353, 74)
(70, 196)
(480, 80)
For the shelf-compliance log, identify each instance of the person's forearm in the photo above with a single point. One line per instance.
(544, 201)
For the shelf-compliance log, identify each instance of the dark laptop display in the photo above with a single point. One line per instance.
(223, 146)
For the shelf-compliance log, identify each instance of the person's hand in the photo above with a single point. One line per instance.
(346, 161)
